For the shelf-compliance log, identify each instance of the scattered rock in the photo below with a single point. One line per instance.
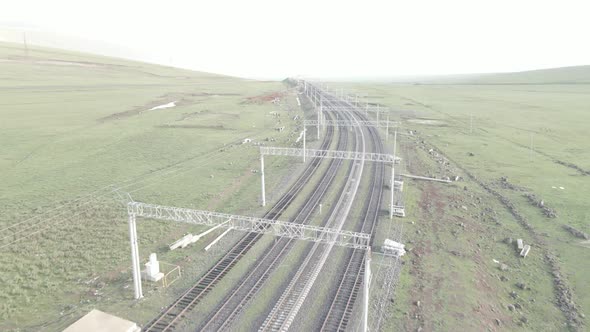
(517, 305)
(456, 253)
(417, 303)
(511, 307)
(540, 203)
(521, 285)
(524, 320)
(470, 154)
(513, 295)
(508, 240)
(503, 267)
(576, 232)
(498, 322)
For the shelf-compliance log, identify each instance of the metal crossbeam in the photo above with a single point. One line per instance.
(360, 108)
(332, 154)
(312, 233)
(348, 123)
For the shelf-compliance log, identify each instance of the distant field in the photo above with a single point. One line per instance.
(535, 134)
(74, 128)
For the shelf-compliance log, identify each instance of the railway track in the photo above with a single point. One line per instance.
(168, 319)
(287, 307)
(232, 305)
(342, 304)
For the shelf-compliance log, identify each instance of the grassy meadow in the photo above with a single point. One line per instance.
(530, 128)
(78, 134)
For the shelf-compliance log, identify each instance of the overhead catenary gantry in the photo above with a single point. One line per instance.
(333, 154)
(324, 94)
(348, 123)
(291, 230)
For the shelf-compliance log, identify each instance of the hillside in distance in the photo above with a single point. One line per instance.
(562, 75)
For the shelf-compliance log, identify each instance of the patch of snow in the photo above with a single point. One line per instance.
(562, 188)
(170, 104)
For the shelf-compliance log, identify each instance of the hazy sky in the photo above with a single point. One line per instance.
(325, 38)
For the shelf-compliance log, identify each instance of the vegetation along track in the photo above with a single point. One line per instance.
(168, 319)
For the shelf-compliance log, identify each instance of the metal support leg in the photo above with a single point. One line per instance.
(378, 111)
(392, 189)
(393, 175)
(135, 258)
(262, 182)
(394, 144)
(366, 285)
(318, 126)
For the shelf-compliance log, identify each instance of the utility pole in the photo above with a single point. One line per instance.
(393, 175)
(378, 111)
(367, 277)
(262, 175)
(135, 257)
(304, 142)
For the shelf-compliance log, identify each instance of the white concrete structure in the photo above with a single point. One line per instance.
(98, 321)
(399, 186)
(152, 269)
(190, 239)
(525, 251)
(182, 242)
(394, 248)
(217, 239)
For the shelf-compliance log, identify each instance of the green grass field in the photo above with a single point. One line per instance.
(74, 128)
(529, 127)
(77, 134)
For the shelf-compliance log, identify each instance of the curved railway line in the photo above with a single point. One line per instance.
(168, 319)
(229, 309)
(350, 279)
(290, 301)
